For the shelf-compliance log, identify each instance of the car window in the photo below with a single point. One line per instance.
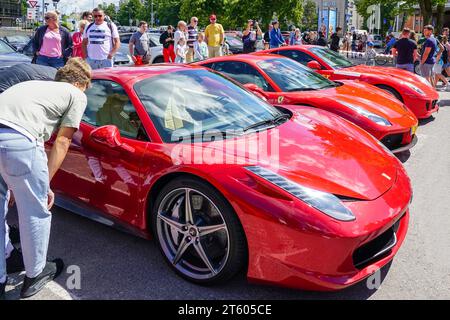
(210, 103)
(242, 73)
(296, 55)
(5, 48)
(108, 104)
(125, 38)
(334, 59)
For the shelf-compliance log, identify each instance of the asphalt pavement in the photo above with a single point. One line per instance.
(114, 265)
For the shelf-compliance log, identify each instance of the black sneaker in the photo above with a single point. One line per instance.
(51, 271)
(2, 290)
(15, 262)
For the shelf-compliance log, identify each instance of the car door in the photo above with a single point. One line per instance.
(101, 177)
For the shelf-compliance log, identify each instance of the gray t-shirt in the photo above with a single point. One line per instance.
(141, 43)
(41, 107)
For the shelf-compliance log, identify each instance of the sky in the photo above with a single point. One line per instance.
(69, 6)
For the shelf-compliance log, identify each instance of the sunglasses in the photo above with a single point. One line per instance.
(48, 18)
(195, 20)
(98, 16)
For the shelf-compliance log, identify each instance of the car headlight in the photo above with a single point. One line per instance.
(325, 202)
(369, 115)
(414, 88)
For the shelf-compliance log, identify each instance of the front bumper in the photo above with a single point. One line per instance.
(422, 108)
(407, 146)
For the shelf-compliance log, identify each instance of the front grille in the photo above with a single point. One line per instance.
(393, 141)
(377, 248)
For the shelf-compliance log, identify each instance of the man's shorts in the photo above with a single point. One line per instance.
(427, 70)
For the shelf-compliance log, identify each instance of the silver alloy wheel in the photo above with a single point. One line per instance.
(193, 233)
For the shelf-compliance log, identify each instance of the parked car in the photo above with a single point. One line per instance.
(155, 47)
(284, 81)
(414, 91)
(377, 41)
(329, 212)
(17, 41)
(9, 56)
(235, 44)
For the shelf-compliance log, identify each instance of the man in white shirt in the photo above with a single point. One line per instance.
(100, 41)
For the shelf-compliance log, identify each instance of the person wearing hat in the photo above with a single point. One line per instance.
(215, 37)
(371, 54)
(276, 39)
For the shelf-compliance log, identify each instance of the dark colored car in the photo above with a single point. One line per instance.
(9, 56)
(17, 41)
(235, 44)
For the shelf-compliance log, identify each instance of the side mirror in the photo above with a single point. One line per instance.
(109, 136)
(256, 90)
(314, 65)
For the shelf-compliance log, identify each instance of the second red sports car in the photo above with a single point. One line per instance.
(284, 81)
(224, 181)
(414, 91)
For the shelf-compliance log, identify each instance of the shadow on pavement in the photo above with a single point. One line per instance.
(423, 122)
(115, 265)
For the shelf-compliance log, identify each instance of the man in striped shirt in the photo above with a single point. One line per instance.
(192, 37)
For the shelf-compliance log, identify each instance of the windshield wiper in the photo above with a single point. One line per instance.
(301, 89)
(278, 119)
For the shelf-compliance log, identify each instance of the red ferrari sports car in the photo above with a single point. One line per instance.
(413, 90)
(284, 81)
(222, 180)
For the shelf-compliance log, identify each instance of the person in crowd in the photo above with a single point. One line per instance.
(305, 38)
(181, 31)
(313, 37)
(445, 33)
(215, 37)
(200, 48)
(321, 41)
(250, 36)
(291, 33)
(276, 39)
(413, 36)
(446, 56)
(335, 38)
(438, 67)
(267, 37)
(52, 43)
(139, 45)
(77, 39)
(167, 40)
(428, 59)
(87, 15)
(181, 50)
(30, 112)
(404, 51)
(390, 43)
(100, 41)
(192, 31)
(371, 54)
(296, 39)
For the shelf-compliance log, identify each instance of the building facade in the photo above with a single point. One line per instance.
(10, 10)
(342, 13)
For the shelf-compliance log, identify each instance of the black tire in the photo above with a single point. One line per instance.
(391, 91)
(417, 67)
(237, 253)
(158, 60)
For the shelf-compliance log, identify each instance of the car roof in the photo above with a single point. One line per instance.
(252, 58)
(135, 74)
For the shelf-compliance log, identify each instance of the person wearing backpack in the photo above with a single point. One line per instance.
(405, 51)
(100, 41)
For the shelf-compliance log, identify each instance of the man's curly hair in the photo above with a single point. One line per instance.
(76, 70)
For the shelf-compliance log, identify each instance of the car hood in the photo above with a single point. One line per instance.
(390, 74)
(365, 96)
(315, 149)
(9, 59)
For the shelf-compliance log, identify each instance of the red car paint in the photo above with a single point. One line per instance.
(359, 94)
(289, 242)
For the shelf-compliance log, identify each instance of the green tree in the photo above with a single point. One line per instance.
(310, 17)
(166, 11)
(132, 9)
(110, 10)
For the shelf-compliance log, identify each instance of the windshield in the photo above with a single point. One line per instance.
(4, 48)
(23, 39)
(290, 75)
(332, 58)
(234, 41)
(193, 103)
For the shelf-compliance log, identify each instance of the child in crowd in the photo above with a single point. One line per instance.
(180, 51)
(200, 48)
(371, 54)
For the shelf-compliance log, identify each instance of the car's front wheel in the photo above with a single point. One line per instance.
(198, 232)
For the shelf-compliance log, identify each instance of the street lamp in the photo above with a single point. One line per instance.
(55, 4)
